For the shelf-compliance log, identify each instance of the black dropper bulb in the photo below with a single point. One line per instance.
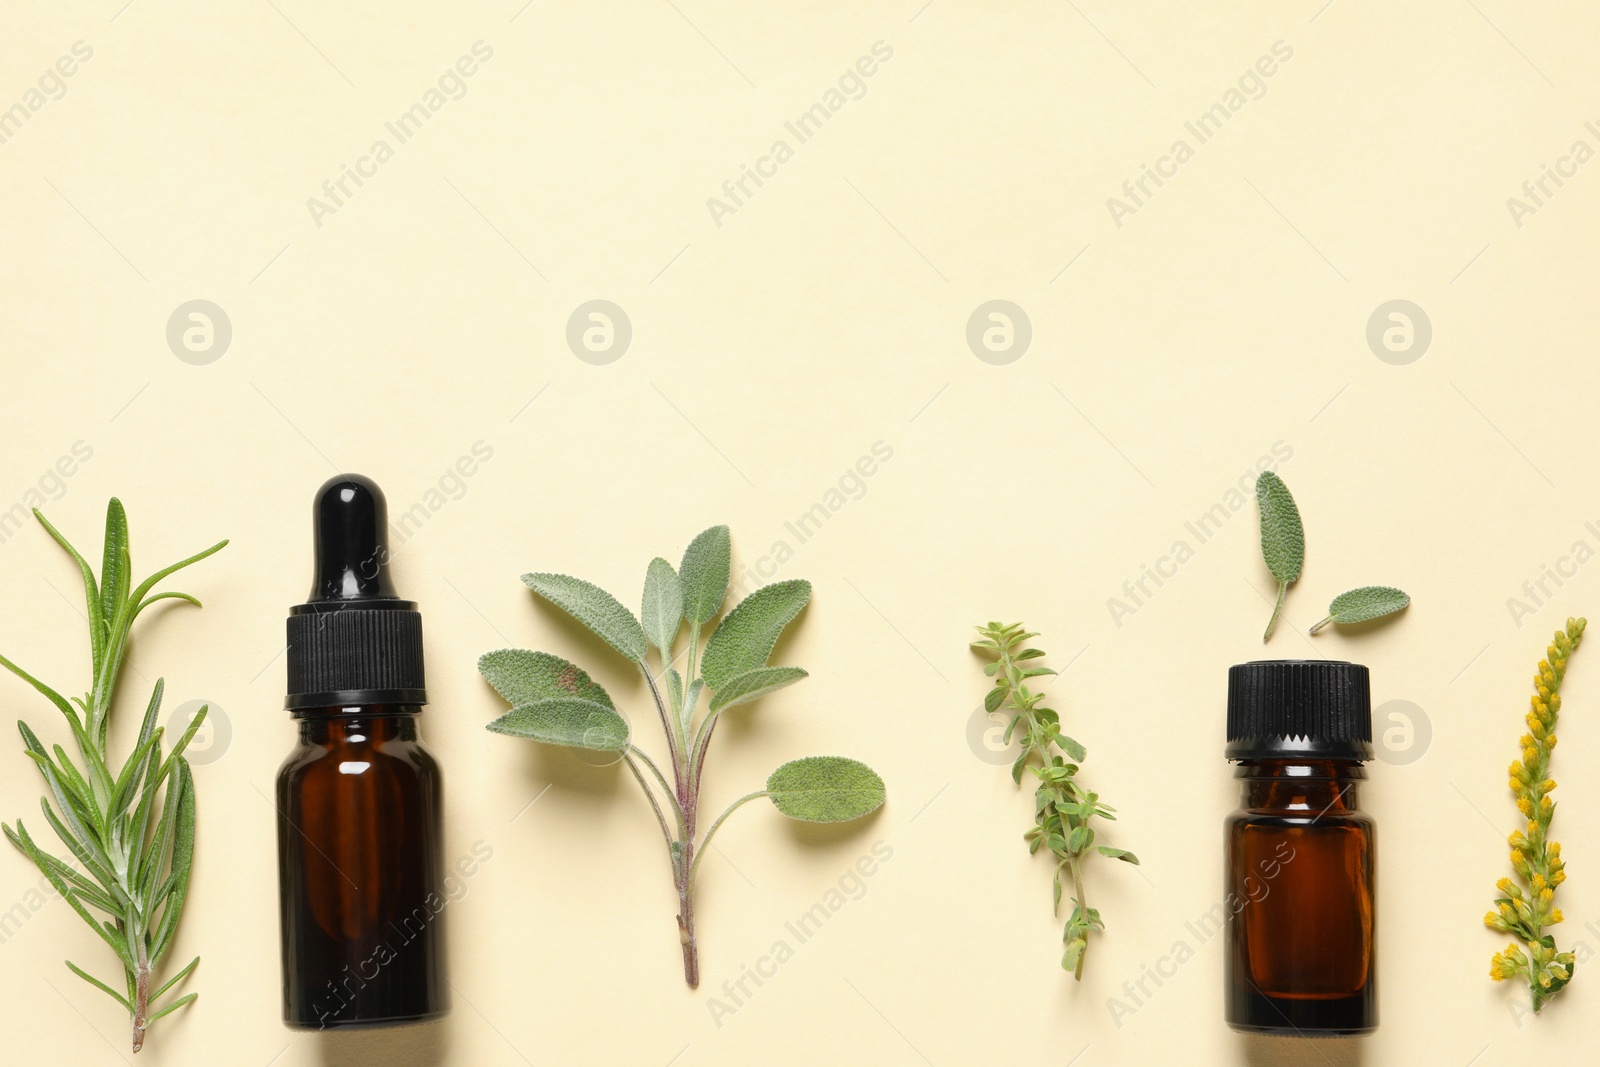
(351, 520)
(354, 641)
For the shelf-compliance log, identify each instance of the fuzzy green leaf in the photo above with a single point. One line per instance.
(753, 685)
(704, 574)
(567, 721)
(745, 638)
(826, 789)
(1118, 854)
(595, 608)
(1283, 538)
(662, 610)
(523, 677)
(1367, 602)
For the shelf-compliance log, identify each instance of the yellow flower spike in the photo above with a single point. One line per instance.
(1535, 861)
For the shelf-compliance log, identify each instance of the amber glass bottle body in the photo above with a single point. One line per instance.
(1300, 883)
(359, 871)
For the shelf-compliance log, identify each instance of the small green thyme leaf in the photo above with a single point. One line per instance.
(1283, 538)
(1367, 602)
(825, 789)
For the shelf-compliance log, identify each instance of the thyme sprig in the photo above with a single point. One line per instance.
(133, 852)
(1526, 904)
(1063, 807)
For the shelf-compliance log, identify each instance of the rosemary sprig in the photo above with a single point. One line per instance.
(1063, 808)
(133, 852)
(1527, 904)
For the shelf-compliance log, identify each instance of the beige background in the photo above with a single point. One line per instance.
(826, 314)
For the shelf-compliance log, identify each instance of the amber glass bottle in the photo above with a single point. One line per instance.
(1300, 856)
(359, 864)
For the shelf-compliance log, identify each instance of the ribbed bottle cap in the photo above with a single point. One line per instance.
(354, 642)
(1316, 709)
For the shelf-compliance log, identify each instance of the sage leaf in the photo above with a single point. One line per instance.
(595, 608)
(745, 638)
(1367, 602)
(825, 789)
(1283, 538)
(753, 685)
(524, 677)
(569, 721)
(704, 574)
(662, 610)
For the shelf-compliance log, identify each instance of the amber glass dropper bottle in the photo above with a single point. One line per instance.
(359, 865)
(1301, 857)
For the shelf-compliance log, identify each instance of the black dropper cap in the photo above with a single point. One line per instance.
(1307, 709)
(353, 642)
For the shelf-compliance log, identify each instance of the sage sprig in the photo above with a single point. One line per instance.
(130, 829)
(1526, 905)
(1063, 807)
(555, 702)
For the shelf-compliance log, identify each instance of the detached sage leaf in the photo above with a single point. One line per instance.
(753, 685)
(568, 721)
(595, 608)
(744, 639)
(1368, 602)
(662, 610)
(704, 574)
(826, 789)
(1283, 538)
(523, 677)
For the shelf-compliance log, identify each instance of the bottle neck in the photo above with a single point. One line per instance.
(374, 724)
(1300, 785)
